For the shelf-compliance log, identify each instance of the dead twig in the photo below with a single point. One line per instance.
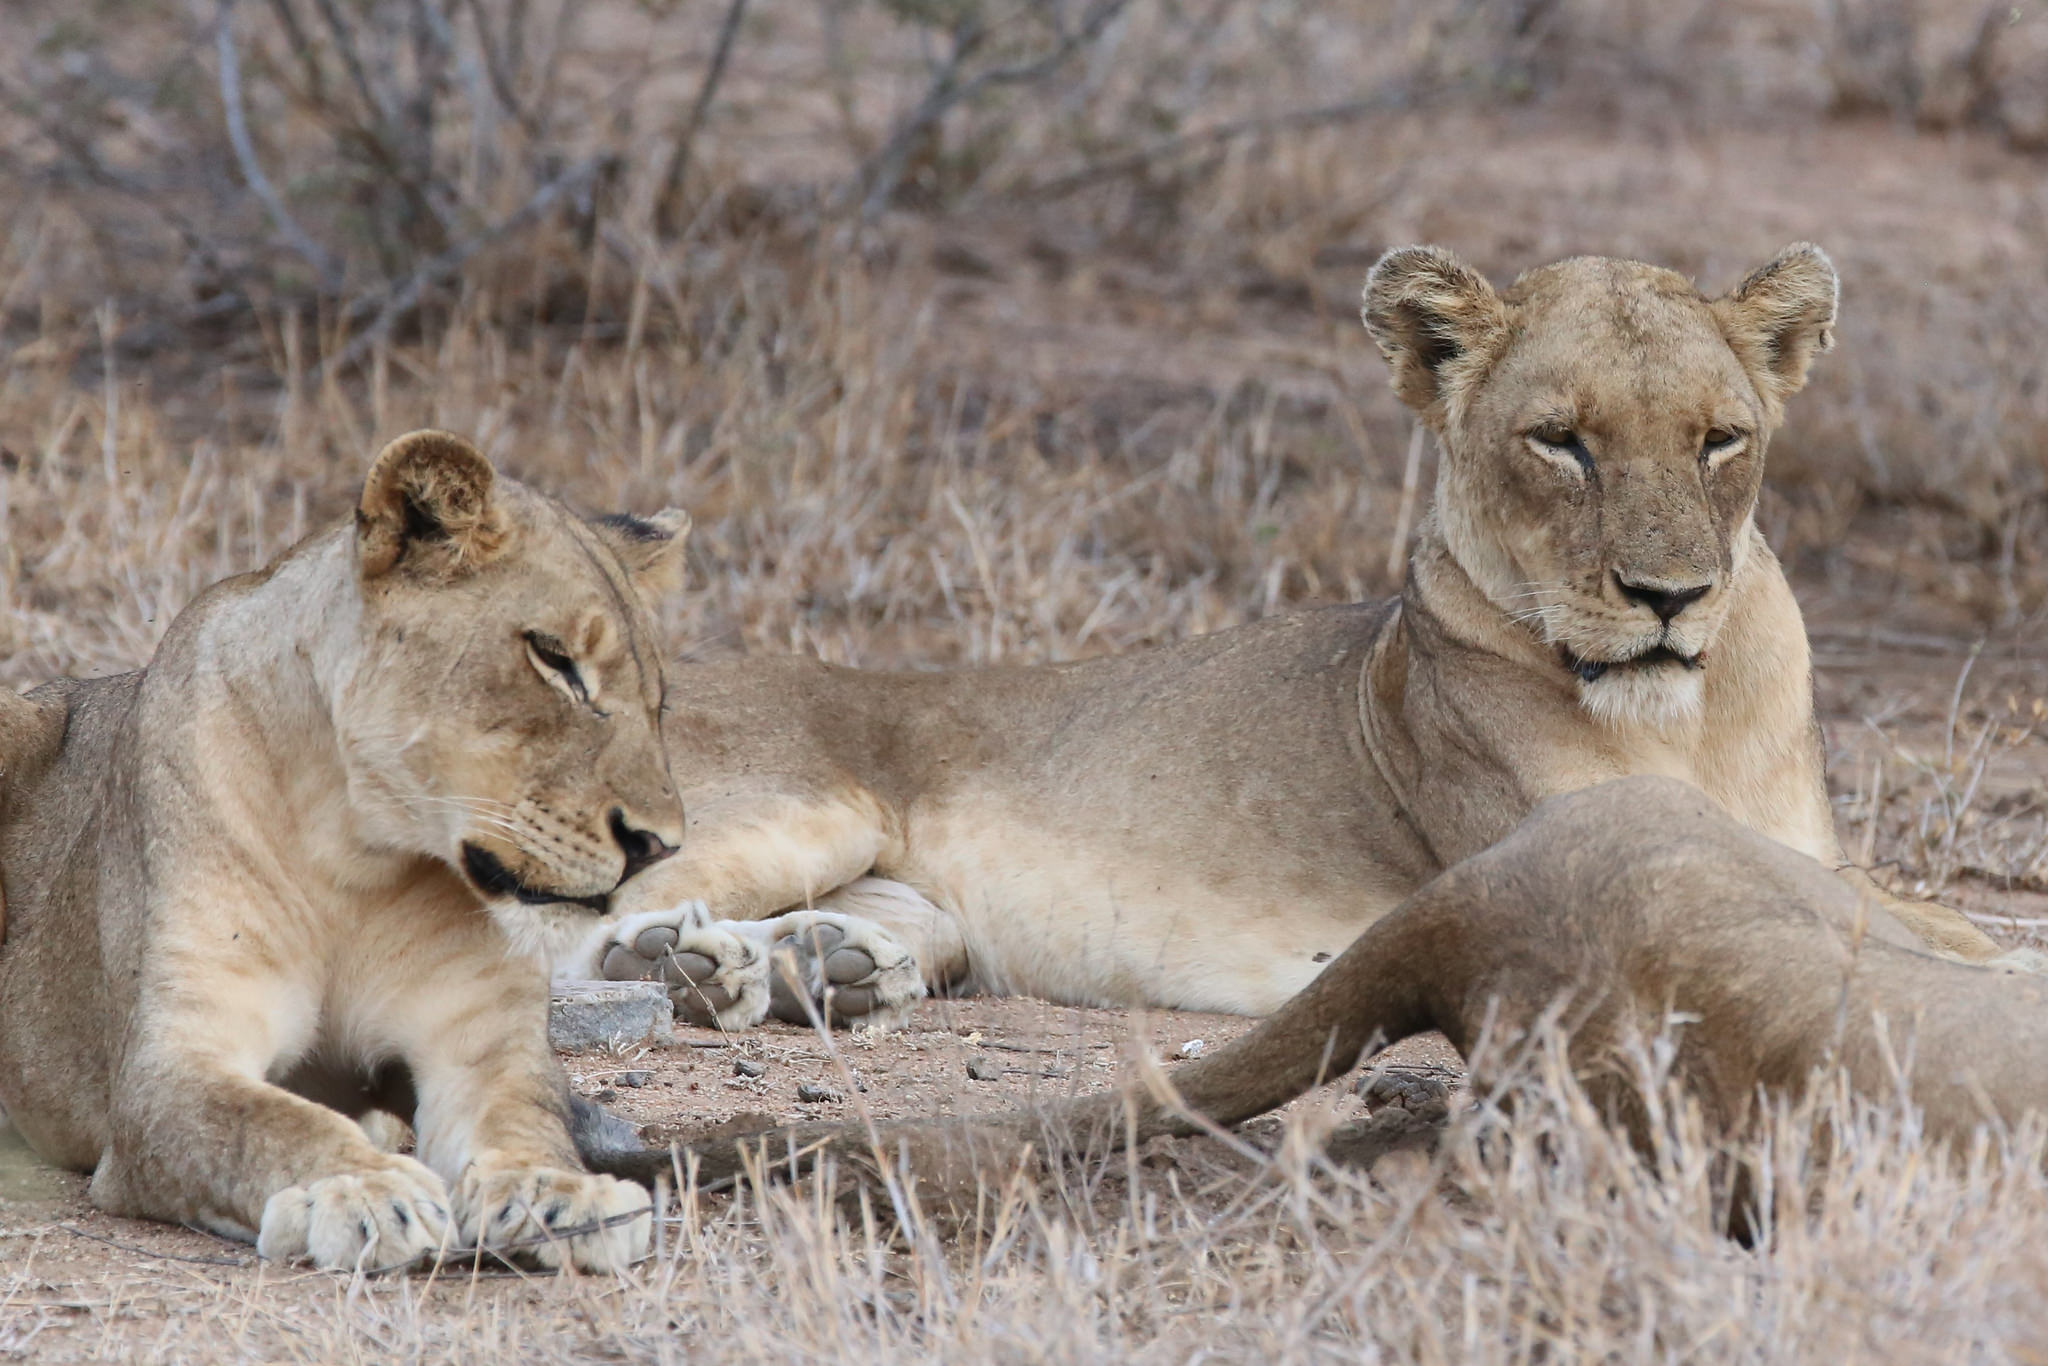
(1293, 120)
(882, 172)
(325, 264)
(386, 307)
(668, 206)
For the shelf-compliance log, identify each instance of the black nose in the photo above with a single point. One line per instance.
(642, 847)
(1665, 602)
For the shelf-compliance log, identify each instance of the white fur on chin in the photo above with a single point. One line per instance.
(542, 933)
(1662, 697)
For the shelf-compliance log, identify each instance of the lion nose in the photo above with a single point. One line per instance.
(1665, 602)
(641, 847)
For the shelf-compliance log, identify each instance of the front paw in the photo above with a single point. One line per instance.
(358, 1221)
(714, 976)
(841, 969)
(549, 1217)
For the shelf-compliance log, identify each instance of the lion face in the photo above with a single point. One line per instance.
(503, 713)
(1603, 427)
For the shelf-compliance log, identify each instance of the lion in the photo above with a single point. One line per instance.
(1206, 825)
(1626, 910)
(289, 862)
(1632, 911)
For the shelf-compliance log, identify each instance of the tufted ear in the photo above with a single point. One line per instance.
(1780, 318)
(651, 548)
(1437, 321)
(429, 505)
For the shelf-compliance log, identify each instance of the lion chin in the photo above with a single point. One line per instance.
(1660, 696)
(544, 931)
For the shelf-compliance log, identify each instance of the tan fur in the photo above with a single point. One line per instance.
(1627, 910)
(282, 862)
(1204, 825)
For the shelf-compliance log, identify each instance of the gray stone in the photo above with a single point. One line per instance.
(982, 1067)
(812, 1093)
(747, 1067)
(595, 1014)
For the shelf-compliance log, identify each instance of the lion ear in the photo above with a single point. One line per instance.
(1436, 320)
(1780, 318)
(650, 548)
(429, 504)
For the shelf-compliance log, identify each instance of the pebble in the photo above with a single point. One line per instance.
(982, 1067)
(811, 1093)
(1193, 1048)
(747, 1067)
(634, 1078)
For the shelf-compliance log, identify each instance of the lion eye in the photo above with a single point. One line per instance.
(548, 654)
(1720, 443)
(1559, 443)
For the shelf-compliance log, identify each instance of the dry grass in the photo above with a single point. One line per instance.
(1534, 1235)
(1052, 404)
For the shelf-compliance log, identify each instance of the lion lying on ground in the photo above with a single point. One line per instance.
(1205, 825)
(257, 871)
(1621, 911)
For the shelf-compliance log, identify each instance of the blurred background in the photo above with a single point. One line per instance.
(1001, 330)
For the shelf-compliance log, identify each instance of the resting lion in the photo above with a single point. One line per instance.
(1622, 910)
(257, 871)
(1205, 825)
(1637, 904)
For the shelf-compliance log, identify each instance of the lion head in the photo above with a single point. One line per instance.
(1603, 426)
(500, 704)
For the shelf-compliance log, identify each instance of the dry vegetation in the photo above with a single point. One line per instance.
(1011, 329)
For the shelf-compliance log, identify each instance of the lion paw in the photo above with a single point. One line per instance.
(714, 977)
(840, 968)
(546, 1217)
(358, 1221)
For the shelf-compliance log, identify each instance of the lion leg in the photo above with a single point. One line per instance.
(493, 1108)
(1943, 929)
(198, 1136)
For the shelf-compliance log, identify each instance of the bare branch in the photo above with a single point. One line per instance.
(883, 171)
(325, 264)
(668, 205)
(385, 307)
(1110, 168)
(495, 66)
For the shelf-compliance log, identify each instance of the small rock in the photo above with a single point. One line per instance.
(605, 1096)
(811, 1093)
(747, 1067)
(634, 1078)
(1191, 1049)
(1159, 1152)
(982, 1067)
(1422, 1091)
(595, 1014)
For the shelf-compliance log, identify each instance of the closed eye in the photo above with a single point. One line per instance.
(1560, 445)
(1721, 444)
(556, 666)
